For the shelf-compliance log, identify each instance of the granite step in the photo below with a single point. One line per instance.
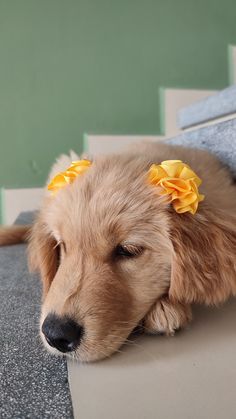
(216, 106)
(219, 139)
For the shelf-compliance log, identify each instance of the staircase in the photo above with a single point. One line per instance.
(200, 118)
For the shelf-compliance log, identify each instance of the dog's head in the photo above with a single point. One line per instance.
(108, 247)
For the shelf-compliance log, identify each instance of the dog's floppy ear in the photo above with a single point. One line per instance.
(42, 254)
(204, 257)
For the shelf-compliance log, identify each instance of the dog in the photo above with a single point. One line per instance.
(114, 254)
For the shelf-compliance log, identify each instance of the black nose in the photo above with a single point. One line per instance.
(62, 333)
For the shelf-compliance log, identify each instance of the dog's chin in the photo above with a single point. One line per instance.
(86, 351)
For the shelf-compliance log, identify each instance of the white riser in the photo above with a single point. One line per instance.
(105, 144)
(174, 100)
(232, 64)
(20, 200)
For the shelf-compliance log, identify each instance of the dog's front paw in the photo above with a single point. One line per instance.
(166, 317)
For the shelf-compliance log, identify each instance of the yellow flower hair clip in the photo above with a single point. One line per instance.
(179, 181)
(62, 179)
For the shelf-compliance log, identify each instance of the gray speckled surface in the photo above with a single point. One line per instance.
(215, 106)
(33, 383)
(220, 139)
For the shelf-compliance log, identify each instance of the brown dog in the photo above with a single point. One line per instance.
(113, 254)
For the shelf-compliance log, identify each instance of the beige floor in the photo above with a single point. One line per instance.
(189, 376)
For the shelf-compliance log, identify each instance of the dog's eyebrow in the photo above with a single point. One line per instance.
(135, 237)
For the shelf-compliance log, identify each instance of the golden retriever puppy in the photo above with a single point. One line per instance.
(113, 253)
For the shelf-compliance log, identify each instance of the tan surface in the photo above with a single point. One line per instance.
(189, 376)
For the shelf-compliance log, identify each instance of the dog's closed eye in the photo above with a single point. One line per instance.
(127, 251)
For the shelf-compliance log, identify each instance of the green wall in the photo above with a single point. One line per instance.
(74, 66)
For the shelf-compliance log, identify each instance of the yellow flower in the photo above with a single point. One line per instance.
(64, 178)
(179, 181)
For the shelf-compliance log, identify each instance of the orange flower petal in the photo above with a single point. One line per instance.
(178, 180)
(65, 178)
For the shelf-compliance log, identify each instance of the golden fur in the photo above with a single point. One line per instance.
(14, 234)
(183, 258)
